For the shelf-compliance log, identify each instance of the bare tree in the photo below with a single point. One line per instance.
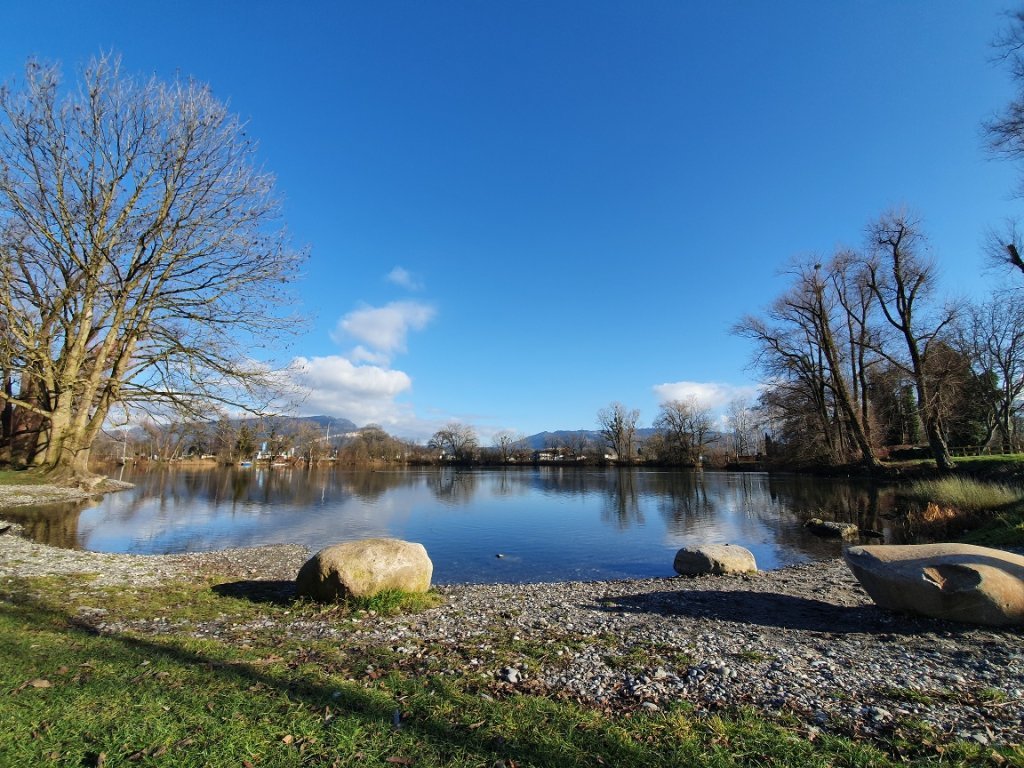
(618, 429)
(814, 345)
(901, 279)
(508, 444)
(992, 336)
(685, 425)
(740, 418)
(143, 260)
(457, 440)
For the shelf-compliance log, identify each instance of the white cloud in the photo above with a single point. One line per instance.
(709, 394)
(383, 329)
(363, 355)
(404, 278)
(335, 386)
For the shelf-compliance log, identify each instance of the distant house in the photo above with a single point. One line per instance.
(561, 453)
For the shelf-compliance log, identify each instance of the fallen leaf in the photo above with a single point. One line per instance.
(288, 739)
(399, 760)
(40, 683)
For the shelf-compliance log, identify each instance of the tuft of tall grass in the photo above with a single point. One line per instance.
(965, 494)
(952, 505)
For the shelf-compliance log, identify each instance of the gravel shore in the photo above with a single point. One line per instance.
(805, 641)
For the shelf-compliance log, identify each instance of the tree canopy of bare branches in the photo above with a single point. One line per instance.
(901, 278)
(685, 426)
(456, 441)
(812, 344)
(144, 261)
(852, 323)
(618, 429)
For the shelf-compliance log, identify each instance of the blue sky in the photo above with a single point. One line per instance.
(519, 212)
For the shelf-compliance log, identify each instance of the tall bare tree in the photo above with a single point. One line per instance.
(901, 279)
(618, 429)
(144, 262)
(814, 345)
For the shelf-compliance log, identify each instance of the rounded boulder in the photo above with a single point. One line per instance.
(714, 559)
(364, 569)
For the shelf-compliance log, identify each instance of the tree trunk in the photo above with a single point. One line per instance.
(66, 458)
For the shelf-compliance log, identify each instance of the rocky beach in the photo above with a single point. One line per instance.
(802, 642)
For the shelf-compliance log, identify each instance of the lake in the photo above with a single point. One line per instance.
(478, 525)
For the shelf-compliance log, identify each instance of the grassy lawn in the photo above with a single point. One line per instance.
(260, 697)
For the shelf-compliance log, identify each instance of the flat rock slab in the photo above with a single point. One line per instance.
(714, 559)
(365, 568)
(958, 582)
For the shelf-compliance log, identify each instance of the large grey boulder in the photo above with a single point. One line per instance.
(959, 582)
(365, 568)
(716, 559)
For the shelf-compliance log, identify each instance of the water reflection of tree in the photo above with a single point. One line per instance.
(454, 486)
(55, 524)
(570, 480)
(862, 503)
(683, 499)
(622, 501)
(370, 485)
(508, 481)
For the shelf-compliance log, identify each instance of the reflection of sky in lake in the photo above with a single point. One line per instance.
(547, 524)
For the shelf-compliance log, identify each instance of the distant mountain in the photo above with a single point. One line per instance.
(574, 437)
(341, 425)
(561, 437)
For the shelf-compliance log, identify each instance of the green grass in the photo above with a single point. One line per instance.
(1004, 529)
(21, 477)
(261, 696)
(1007, 459)
(392, 602)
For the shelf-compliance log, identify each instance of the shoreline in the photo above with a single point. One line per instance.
(804, 641)
(14, 496)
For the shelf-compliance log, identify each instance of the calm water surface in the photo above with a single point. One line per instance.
(548, 523)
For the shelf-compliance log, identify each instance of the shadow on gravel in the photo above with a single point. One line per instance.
(771, 609)
(273, 592)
